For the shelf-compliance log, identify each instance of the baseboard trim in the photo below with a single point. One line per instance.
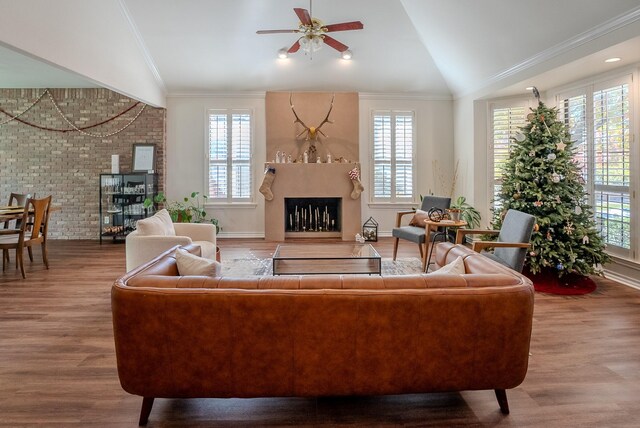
(253, 235)
(622, 279)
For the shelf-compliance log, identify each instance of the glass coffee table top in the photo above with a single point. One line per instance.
(306, 259)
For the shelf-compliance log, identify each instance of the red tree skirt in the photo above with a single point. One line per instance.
(569, 285)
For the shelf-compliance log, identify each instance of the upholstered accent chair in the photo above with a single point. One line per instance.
(158, 233)
(415, 230)
(510, 249)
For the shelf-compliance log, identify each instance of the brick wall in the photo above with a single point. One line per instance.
(68, 165)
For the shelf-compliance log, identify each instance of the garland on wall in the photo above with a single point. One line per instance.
(73, 127)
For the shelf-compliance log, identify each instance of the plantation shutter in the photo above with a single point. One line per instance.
(393, 156)
(611, 175)
(574, 115)
(506, 121)
(229, 155)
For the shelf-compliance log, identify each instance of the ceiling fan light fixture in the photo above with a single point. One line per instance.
(282, 53)
(310, 43)
(347, 55)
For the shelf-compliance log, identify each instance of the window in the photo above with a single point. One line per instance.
(599, 122)
(229, 155)
(393, 156)
(506, 120)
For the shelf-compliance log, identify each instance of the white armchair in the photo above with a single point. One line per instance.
(140, 248)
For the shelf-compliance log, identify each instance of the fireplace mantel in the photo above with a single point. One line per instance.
(311, 180)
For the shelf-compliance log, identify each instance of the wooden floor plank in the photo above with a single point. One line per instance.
(57, 359)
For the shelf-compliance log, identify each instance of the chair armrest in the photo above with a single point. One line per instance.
(461, 233)
(482, 245)
(197, 231)
(401, 214)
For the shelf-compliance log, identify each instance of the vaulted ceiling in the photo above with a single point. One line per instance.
(439, 48)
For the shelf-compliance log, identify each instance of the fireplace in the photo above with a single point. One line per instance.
(317, 217)
(326, 187)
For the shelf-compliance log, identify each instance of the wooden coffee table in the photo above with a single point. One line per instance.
(312, 259)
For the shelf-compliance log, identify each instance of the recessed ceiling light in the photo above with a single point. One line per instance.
(282, 53)
(615, 59)
(529, 88)
(347, 54)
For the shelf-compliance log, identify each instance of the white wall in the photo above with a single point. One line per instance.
(91, 38)
(186, 125)
(434, 131)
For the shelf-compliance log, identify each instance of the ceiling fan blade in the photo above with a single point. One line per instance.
(344, 26)
(294, 47)
(340, 47)
(275, 31)
(303, 15)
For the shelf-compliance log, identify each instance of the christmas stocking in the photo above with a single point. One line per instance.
(265, 188)
(354, 175)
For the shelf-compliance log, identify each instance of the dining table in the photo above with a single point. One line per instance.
(13, 212)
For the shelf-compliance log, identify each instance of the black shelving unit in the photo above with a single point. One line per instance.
(122, 199)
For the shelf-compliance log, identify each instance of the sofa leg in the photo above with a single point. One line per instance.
(147, 404)
(501, 395)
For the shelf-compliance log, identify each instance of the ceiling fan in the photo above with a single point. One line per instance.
(313, 34)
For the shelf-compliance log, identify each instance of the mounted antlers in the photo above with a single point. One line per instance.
(312, 132)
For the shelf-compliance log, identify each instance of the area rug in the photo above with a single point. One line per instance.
(255, 266)
(568, 285)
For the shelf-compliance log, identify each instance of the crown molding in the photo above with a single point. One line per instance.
(403, 96)
(590, 35)
(148, 59)
(260, 95)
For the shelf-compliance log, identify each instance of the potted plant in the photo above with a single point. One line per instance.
(466, 212)
(189, 210)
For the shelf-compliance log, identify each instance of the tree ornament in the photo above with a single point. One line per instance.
(537, 203)
(568, 229)
(585, 240)
(532, 253)
(559, 266)
(551, 156)
(520, 137)
(549, 237)
(558, 199)
(561, 145)
(577, 210)
(555, 177)
(531, 117)
(517, 196)
(532, 153)
(536, 227)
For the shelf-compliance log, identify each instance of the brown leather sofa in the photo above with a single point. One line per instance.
(333, 335)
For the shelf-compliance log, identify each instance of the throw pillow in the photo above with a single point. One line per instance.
(418, 218)
(456, 267)
(189, 264)
(159, 224)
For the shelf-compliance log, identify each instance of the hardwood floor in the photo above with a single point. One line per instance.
(58, 368)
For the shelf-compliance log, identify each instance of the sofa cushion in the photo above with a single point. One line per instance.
(189, 264)
(456, 267)
(159, 224)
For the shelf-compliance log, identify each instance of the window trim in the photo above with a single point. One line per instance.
(211, 202)
(393, 199)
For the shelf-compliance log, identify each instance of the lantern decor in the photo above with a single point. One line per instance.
(370, 230)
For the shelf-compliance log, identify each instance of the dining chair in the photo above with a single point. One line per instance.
(17, 199)
(20, 238)
(510, 249)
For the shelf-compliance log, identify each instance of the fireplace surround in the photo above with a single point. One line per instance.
(315, 183)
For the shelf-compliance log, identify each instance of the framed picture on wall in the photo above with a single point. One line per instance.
(144, 158)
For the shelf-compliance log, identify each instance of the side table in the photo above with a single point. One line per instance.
(431, 226)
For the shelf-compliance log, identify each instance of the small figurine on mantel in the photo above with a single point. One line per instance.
(328, 157)
(305, 157)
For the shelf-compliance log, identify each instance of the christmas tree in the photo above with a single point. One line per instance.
(541, 178)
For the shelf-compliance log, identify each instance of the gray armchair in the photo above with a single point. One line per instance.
(416, 234)
(513, 239)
